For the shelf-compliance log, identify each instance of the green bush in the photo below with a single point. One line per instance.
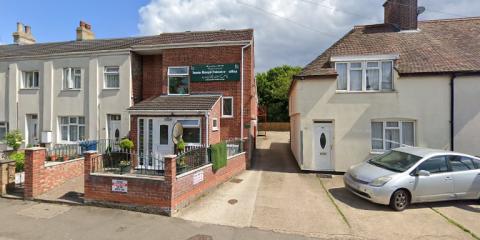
(14, 139)
(126, 144)
(219, 155)
(19, 158)
(181, 145)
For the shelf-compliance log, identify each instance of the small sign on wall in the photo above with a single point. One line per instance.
(197, 177)
(119, 186)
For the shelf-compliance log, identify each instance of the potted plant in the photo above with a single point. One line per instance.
(124, 166)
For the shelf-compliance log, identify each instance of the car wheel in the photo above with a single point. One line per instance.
(400, 200)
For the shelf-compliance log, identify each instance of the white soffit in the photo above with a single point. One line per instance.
(352, 58)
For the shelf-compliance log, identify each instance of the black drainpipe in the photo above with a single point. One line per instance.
(452, 111)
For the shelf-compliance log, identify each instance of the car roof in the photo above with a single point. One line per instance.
(424, 152)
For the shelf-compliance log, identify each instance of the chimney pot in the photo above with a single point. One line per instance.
(84, 32)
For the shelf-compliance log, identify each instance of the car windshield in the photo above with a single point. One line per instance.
(395, 161)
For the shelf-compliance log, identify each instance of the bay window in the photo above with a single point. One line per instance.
(72, 128)
(178, 81)
(364, 76)
(387, 135)
(72, 78)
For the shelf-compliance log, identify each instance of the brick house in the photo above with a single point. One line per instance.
(403, 82)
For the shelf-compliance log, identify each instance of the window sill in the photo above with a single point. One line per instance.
(72, 90)
(227, 116)
(111, 89)
(377, 152)
(360, 92)
(179, 94)
(29, 89)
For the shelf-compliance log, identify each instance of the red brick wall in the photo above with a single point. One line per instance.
(137, 76)
(155, 80)
(185, 191)
(214, 136)
(40, 179)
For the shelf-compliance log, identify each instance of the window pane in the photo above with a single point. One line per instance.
(178, 70)
(189, 122)
(434, 165)
(460, 163)
(342, 76)
(373, 79)
(3, 132)
(227, 107)
(150, 141)
(408, 134)
(81, 133)
(392, 124)
(81, 120)
(164, 134)
(73, 133)
(141, 137)
(387, 75)
(35, 79)
(178, 85)
(64, 133)
(112, 80)
(64, 120)
(377, 135)
(392, 138)
(73, 120)
(191, 135)
(372, 64)
(355, 80)
(77, 81)
(111, 69)
(355, 65)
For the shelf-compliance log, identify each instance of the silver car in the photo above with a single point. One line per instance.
(411, 175)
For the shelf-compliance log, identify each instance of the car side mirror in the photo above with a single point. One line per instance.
(423, 173)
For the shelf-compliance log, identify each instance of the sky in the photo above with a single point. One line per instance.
(291, 32)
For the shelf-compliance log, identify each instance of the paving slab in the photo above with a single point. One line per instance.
(372, 221)
(465, 213)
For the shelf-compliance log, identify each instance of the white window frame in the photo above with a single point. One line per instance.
(364, 68)
(169, 74)
(197, 125)
(68, 82)
(215, 124)
(223, 102)
(69, 125)
(30, 85)
(384, 128)
(4, 125)
(107, 71)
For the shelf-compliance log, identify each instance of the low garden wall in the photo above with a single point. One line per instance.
(160, 194)
(42, 176)
(274, 126)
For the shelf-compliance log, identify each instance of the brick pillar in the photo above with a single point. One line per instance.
(170, 178)
(34, 165)
(88, 165)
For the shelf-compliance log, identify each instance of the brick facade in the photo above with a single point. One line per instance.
(40, 178)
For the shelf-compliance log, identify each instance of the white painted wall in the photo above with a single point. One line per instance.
(426, 100)
(51, 101)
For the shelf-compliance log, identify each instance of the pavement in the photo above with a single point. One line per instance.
(276, 196)
(43, 221)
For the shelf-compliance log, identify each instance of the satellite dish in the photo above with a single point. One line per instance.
(420, 10)
(177, 132)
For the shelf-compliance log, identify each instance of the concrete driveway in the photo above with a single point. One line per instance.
(276, 196)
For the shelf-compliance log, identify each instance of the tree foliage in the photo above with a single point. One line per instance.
(273, 87)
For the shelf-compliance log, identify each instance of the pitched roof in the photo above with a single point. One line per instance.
(450, 45)
(177, 103)
(14, 50)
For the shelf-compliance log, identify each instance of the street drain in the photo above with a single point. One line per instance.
(233, 201)
(236, 180)
(201, 237)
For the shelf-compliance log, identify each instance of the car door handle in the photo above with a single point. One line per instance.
(448, 178)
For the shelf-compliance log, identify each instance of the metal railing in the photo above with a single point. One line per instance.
(69, 151)
(126, 162)
(192, 158)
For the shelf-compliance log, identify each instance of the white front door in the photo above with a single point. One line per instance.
(162, 141)
(323, 144)
(155, 141)
(114, 125)
(32, 129)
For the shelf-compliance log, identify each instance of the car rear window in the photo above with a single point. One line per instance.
(477, 163)
(461, 163)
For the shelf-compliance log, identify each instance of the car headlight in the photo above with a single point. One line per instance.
(380, 181)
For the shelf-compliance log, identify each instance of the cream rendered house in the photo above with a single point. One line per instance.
(401, 83)
(67, 91)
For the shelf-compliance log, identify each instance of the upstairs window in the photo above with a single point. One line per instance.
(227, 107)
(112, 77)
(30, 80)
(365, 76)
(178, 81)
(72, 78)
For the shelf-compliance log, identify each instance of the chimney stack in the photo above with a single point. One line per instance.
(84, 32)
(402, 13)
(23, 35)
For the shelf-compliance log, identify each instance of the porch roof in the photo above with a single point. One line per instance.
(177, 103)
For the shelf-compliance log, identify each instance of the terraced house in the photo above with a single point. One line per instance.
(65, 92)
(382, 86)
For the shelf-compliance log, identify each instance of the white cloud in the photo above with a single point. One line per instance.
(313, 25)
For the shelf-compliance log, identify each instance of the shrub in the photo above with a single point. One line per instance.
(126, 144)
(181, 145)
(19, 158)
(14, 139)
